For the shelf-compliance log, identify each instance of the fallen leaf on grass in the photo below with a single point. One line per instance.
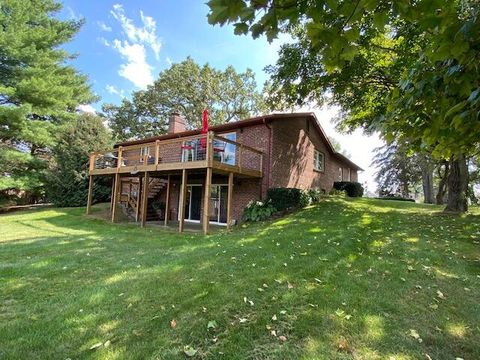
(415, 335)
(189, 351)
(242, 320)
(173, 324)
(246, 301)
(440, 294)
(212, 324)
(274, 317)
(96, 346)
(290, 286)
(282, 338)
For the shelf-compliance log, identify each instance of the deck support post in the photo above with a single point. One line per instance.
(145, 198)
(138, 200)
(167, 200)
(229, 200)
(206, 200)
(112, 196)
(90, 193)
(183, 193)
(115, 195)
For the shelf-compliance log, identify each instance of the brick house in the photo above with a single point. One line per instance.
(163, 178)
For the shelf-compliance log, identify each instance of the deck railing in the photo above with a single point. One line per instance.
(204, 150)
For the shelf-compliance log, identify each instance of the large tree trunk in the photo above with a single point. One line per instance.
(442, 185)
(457, 185)
(427, 182)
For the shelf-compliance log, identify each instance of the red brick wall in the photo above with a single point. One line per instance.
(293, 146)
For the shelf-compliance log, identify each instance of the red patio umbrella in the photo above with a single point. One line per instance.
(203, 140)
(205, 122)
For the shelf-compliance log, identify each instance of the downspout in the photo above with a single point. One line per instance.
(270, 135)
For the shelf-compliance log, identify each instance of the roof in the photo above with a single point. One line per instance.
(251, 122)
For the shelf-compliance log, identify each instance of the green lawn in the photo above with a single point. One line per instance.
(361, 279)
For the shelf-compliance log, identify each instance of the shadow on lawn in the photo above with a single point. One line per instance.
(344, 260)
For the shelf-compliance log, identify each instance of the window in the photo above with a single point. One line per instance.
(145, 151)
(223, 151)
(348, 174)
(318, 161)
(340, 174)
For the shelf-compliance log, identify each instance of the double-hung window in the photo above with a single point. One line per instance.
(318, 161)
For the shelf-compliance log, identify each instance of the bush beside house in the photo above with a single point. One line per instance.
(352, 188)
(284, 199)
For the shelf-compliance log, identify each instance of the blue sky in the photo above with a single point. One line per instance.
(125, 44)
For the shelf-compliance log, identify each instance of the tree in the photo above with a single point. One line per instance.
(416, 60)
(68, 178)
(38, 90)
(189, 88)
(400, 170)
(397, 173)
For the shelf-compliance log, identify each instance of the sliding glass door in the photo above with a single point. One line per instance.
(218, 204)
(217, 211)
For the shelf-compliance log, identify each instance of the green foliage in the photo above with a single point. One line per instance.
(338, 193)
(68, 180)
(288, 198)
(38, 91)
(258, 211)
(406, 69)
(315, 195)
(352, 188)
(397, 198)
(189, 88)
(398, 171)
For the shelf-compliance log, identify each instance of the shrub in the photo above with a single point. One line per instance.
(335, 192)
(285, 198)
(315, 195)
(288, 198)
(352, 188)
(258, 211)
(398, 198)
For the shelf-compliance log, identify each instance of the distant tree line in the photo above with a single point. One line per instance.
(405, 173)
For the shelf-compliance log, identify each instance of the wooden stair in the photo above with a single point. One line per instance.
(130, 202)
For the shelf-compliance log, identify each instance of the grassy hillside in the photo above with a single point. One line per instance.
(361, 279)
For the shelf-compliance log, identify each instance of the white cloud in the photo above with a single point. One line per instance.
(146, 34)
(104, 41)
(114, 91)
(86, 108)
(169, 61)
(103, 26)
(136, 69)
(133, 48)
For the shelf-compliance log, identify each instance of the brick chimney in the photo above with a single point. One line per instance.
(176, 123)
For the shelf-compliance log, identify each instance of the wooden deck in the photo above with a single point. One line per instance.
(208, 153)
(194, 152)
